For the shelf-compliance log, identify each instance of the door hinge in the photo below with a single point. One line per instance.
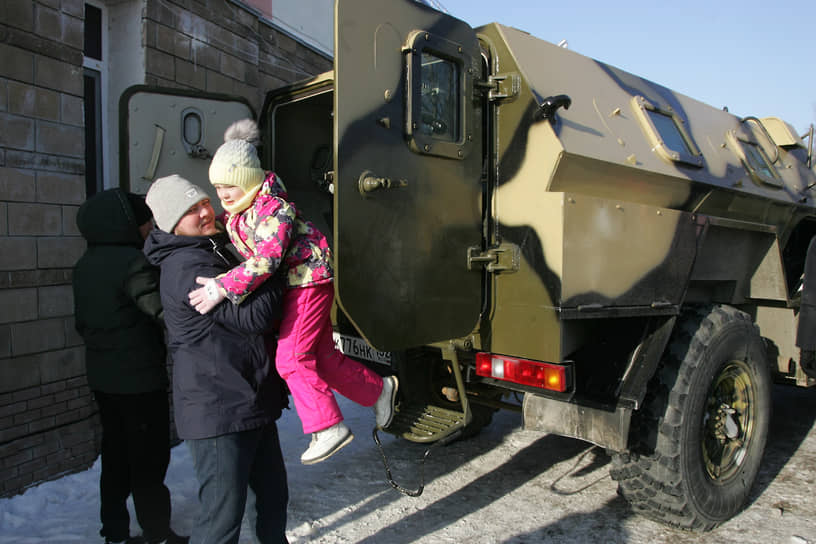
(502, 86)
(504, 258)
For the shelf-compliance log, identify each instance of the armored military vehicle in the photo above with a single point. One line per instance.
(517, 226)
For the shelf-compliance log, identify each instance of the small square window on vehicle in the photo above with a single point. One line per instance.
(439, 98)
(666, 133)
(438, 116)
(746, 147)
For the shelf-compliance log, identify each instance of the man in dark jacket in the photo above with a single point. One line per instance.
(118, 312)
(226, 393)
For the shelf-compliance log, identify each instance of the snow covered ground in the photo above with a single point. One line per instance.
(505, 485)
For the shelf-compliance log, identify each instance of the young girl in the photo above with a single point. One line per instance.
(268, 230)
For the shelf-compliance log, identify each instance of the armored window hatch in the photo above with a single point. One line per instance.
(439, 118)
(665, 130)
(745, 144)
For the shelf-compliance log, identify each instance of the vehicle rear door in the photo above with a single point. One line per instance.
(173, 131)
(407, 172)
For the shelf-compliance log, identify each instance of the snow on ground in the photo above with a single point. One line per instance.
(505, 485)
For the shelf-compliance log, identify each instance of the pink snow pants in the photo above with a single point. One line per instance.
(310, 364)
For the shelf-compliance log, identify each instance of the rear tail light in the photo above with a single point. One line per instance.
(541, 375)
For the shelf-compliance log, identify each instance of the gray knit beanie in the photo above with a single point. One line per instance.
(170, 197)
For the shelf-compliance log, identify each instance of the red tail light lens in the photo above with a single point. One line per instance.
(542, 375)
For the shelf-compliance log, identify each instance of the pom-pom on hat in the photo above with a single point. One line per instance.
(170, 197)
(236, 162)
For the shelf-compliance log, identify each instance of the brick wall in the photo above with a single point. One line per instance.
(46, 431)
(216, 46)
(48, 422)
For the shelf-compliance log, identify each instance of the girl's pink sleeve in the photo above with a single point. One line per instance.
(273, 232)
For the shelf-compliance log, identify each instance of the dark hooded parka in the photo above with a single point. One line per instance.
(116, 296)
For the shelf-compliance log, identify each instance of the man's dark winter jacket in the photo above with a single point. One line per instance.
(116, 300)
(223, 380)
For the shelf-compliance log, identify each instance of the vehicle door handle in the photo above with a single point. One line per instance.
(158, 142)
(370, 182)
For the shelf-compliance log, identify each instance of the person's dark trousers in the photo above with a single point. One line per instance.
(135, 455)
(236, 472)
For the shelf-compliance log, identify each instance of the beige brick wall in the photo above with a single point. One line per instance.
(48, 422)
(219, 47)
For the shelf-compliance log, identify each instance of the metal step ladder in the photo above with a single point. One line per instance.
(426, 422)
(419, 422)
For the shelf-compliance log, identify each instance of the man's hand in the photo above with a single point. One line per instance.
(205, 298)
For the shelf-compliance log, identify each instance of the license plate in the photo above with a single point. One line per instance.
(356, 347)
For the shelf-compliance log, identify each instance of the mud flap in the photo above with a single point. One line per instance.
(606, 428)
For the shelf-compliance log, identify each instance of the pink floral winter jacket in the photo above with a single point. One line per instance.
(271, 233)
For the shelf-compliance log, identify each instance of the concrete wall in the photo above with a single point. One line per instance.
(48, 422)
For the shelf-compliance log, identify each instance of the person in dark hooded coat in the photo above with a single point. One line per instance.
(118, 313)
(226, 392)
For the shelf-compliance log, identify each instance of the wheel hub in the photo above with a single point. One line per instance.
(728, 421)
(725, 424)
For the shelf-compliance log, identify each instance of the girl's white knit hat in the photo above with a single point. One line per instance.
(236, 162)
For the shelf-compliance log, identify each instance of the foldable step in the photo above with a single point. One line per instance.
(425, 422)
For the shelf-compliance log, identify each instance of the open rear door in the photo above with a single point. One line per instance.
(173, 131)
(407, 172)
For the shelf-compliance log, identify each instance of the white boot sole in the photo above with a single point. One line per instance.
(340, 445)
(392, 400)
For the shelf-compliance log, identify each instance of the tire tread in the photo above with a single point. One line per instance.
(650, 476)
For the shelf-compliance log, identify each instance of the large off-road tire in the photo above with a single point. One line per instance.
(697, 442)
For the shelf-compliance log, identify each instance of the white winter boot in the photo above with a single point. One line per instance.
(384, 407)
(326, 443)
